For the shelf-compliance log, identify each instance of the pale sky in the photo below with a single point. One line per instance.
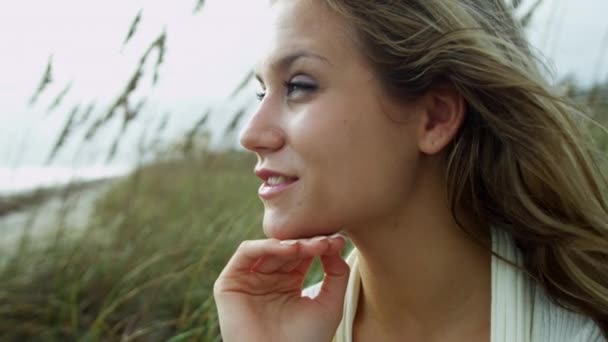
(208, 54)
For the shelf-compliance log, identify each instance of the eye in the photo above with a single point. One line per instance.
(261, 91)
(299, 86)
(260, 95)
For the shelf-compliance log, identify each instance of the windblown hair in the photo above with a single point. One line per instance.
(522, 160)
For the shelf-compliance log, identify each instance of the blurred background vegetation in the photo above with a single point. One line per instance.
(134, 258)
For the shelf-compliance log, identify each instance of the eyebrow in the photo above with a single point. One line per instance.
(285, 61)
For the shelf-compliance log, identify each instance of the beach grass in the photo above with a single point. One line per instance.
(143, 270)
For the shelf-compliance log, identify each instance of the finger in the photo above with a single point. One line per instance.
(336, 244)
(303, 267)
(290, 266)
(334, 285)
(314, 246)
(273, 264)
(249, 254)
(307, 248)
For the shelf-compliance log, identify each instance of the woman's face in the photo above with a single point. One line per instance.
(325, 123)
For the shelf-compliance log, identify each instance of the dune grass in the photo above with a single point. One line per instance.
(144, 268)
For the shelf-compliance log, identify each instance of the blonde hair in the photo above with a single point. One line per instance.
(522, 160)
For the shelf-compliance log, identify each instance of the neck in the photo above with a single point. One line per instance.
(420, 273)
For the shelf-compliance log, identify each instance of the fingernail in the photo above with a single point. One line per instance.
(319, 238)
(288, 242)
(338, 236)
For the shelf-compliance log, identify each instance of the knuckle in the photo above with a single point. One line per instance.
(244, 244)
(218, 286)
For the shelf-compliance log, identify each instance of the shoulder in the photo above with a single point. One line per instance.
(520, 303)
(552, 322)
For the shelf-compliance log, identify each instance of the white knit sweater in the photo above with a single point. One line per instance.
(521, 311)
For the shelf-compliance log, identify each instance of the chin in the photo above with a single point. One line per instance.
(294, 229)
(284, 232)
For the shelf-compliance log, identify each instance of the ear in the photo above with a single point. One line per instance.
(444, 111)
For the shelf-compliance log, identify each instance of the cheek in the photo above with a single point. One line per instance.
(355, 166)
(369, 190)
(330, 128)
(320, 124)
(355, 174)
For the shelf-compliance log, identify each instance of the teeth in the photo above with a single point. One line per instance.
(276, 180)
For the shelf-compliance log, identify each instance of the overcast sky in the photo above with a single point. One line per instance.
(208, 54)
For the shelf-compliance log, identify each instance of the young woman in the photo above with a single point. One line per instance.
(423, 130)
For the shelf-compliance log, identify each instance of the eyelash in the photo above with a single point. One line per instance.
(260, 95)
(302, 86)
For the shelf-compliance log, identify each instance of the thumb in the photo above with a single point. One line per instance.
(334, 285)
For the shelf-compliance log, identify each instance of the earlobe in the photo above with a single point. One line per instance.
(444, 114)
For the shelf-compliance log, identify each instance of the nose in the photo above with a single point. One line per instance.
(262, 133)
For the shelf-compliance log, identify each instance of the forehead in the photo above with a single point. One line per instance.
(304, 27)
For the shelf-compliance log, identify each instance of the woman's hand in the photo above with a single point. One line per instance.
(259, 292)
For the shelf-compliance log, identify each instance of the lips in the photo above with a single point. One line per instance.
(275, 183)
(270, 176)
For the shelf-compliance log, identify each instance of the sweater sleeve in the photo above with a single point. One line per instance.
(590, 332)
(556, 324)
